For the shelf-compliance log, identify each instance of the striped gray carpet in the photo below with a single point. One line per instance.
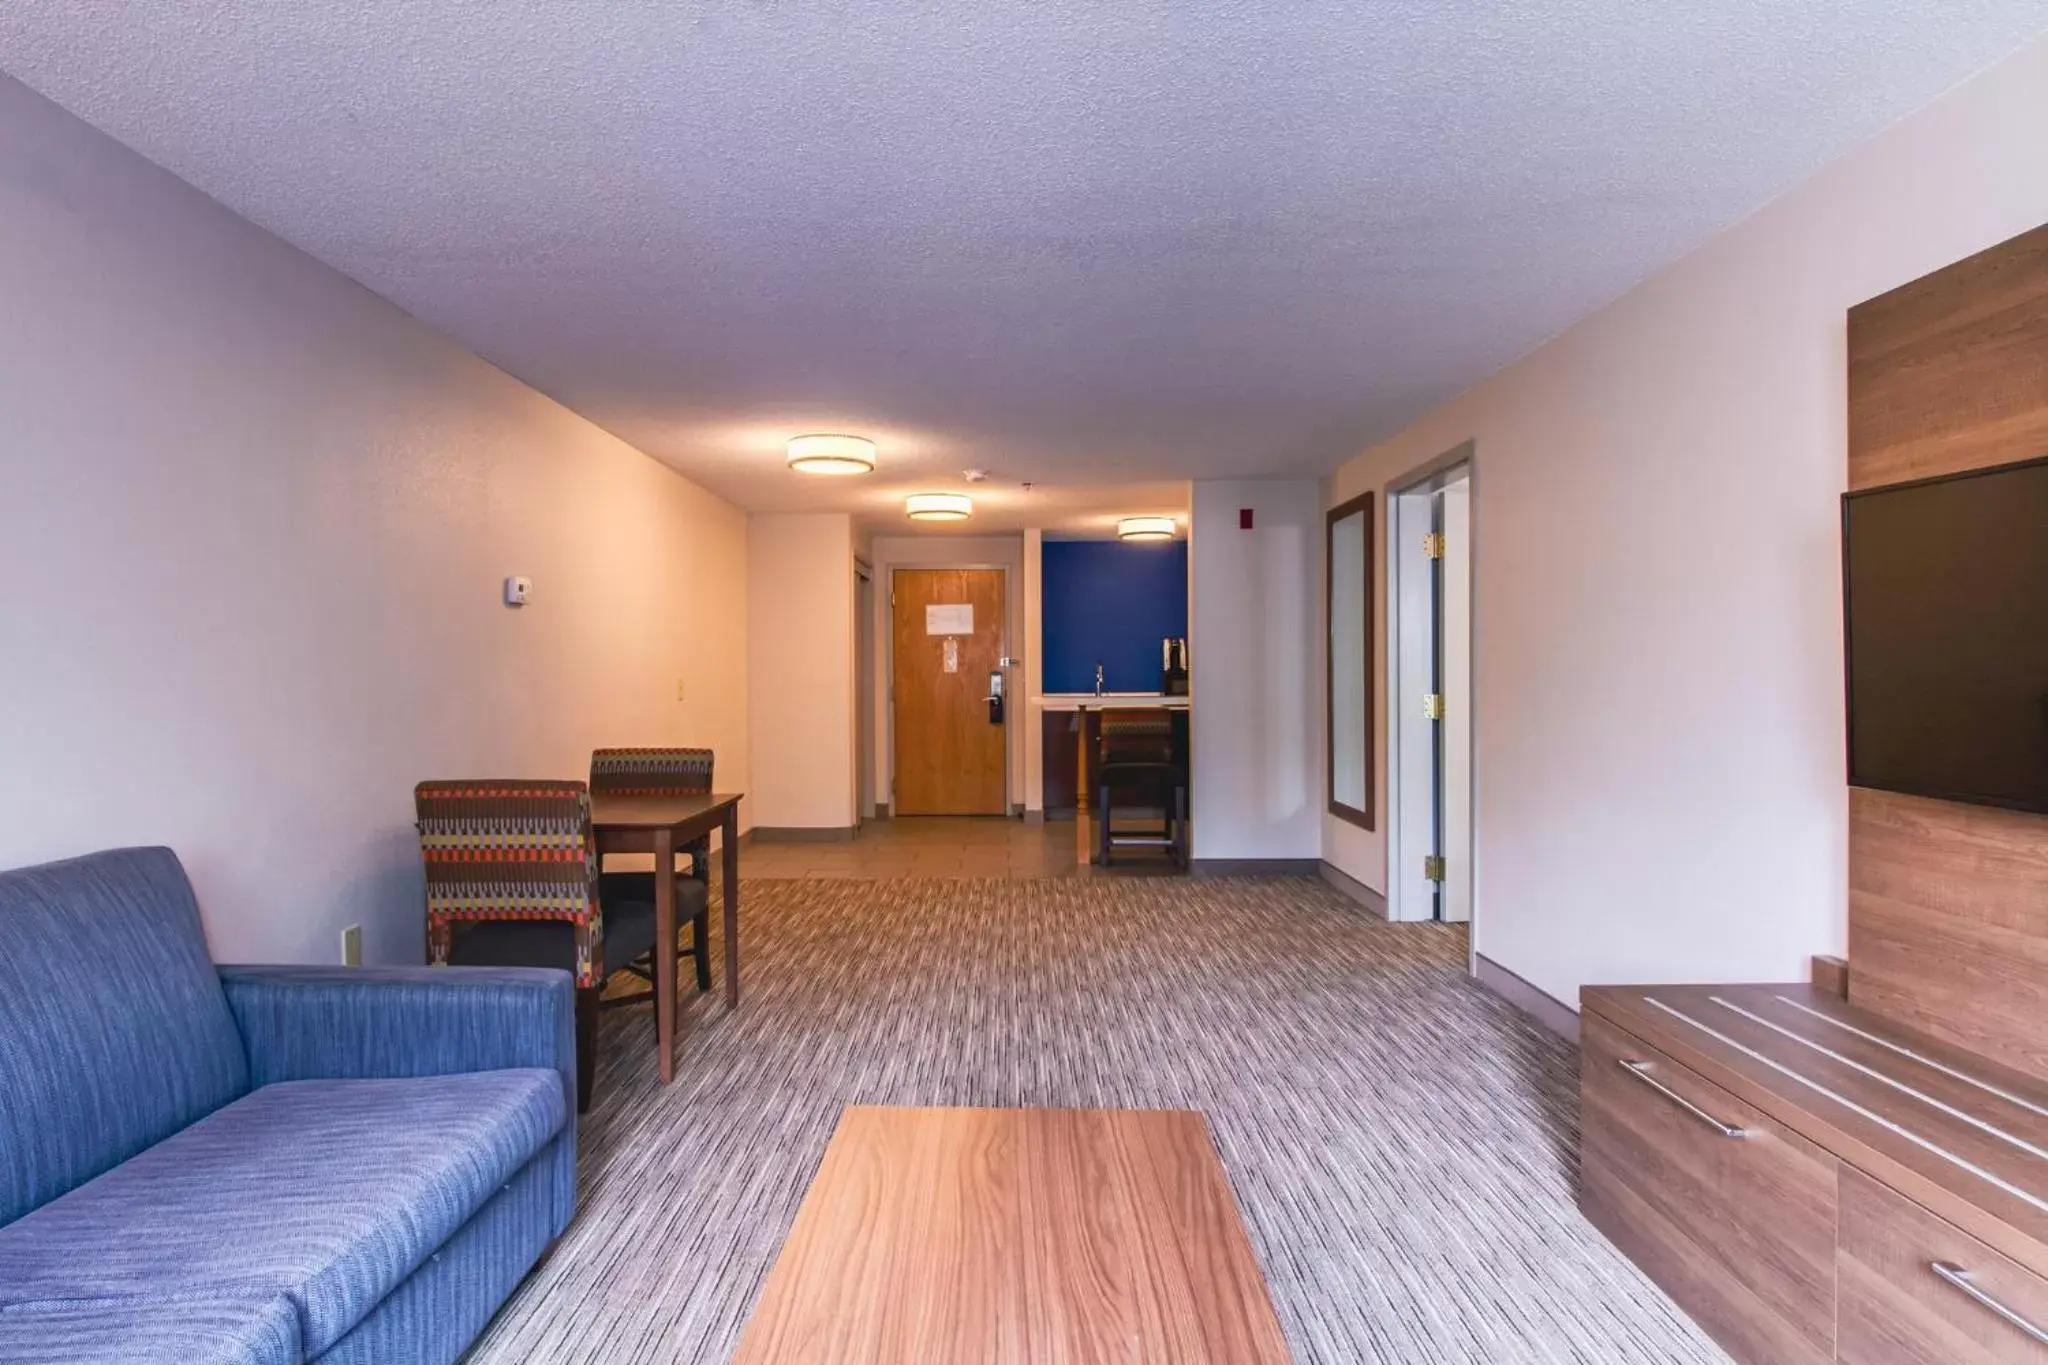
(1400, 1141)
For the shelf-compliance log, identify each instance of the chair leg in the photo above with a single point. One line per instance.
(700, 945)
(1180, 827)
(586, 1046)
(1102, 853)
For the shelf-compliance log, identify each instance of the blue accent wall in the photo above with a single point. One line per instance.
(1108, 600)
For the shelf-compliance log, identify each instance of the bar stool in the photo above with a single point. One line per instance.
(1137, 759)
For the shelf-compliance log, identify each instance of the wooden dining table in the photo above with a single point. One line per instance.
(660, 825)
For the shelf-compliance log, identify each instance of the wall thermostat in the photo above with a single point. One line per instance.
(517, 590)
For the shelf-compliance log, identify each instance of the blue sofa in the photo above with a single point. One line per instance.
(247, 1165)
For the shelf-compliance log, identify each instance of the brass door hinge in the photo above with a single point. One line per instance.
(1433, 545)
(1433, 706)
(1433, 867)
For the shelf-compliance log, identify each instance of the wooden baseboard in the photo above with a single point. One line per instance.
(1544, 1008)
(1831, 974)
(1355, 889)
(1256, 867)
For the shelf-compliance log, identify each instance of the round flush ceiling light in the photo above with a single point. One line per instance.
(938, 507)
(1145, 528)
(825, 454)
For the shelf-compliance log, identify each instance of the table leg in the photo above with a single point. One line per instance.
(665, 951)
(729, 873)
(1084, 836)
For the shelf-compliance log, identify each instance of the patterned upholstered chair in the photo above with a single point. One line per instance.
(1138, 763)
(512, 882)
(663, 772)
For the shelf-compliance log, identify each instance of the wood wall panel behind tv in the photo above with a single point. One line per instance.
(1948, 922)
(1948, 904)
(1950, 372)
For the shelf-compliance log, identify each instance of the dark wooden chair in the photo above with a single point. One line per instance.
(512, 881)
(1139, 767)
(662, 772)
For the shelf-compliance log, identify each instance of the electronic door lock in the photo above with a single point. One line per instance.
(995, 696)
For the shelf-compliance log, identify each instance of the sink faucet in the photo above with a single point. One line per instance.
(1098, 677)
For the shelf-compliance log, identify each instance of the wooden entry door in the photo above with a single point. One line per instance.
(946, 635)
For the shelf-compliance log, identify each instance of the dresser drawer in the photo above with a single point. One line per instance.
(1731, 1214)
(1897, 1309)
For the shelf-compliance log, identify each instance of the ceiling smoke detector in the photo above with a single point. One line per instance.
(975, 475)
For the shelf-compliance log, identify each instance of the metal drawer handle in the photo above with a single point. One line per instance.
(1641, 1071)
(1960, 1278)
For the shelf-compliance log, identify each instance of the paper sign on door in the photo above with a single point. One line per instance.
(949, 619)
(952, 655)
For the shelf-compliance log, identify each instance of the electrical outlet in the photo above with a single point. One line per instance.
(352, 946)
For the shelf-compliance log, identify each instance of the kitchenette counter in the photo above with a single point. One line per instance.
(1089, 701)
(1070, 728)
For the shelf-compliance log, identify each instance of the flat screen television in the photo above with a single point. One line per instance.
(1945, 600)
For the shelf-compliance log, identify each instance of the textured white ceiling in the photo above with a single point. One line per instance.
(1094, 243)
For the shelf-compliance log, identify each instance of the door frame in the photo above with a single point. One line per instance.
(864, 688)
(886, 641)
(1410, 744)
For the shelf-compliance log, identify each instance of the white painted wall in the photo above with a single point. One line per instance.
(801, 656)
(1658, 670)
(252, 534)
(909, 552)
(1256, 692)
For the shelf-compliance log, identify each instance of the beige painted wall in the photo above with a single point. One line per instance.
(909, 552)
(254, 526)
(1658, 669)
(800, 666)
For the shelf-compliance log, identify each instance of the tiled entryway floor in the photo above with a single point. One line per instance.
(924, 846)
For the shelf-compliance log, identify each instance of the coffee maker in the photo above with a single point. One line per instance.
(1173, 669)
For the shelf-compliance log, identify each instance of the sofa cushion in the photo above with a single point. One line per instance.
(447, 1303)
(231, 1328)
(114, 1031)
(327, 1192)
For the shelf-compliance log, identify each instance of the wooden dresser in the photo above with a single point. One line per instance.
(1813, 1183)
(1864, 1180)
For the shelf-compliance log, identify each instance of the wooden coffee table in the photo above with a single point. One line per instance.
(1015, 1236)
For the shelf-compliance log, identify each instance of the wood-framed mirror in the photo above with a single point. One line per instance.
(1348, 684)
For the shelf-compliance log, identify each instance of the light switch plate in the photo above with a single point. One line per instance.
(517, 590)
(352, 946)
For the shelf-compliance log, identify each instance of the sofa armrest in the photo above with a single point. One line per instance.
(308, 1023)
